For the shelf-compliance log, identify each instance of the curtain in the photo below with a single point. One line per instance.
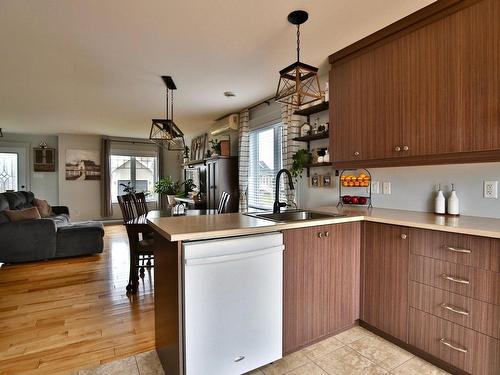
(243, 146)
(162, 199)
(290, 129)
(106, 206)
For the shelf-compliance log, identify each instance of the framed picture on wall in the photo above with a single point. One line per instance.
(83, 165)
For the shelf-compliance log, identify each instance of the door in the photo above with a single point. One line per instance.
(385, 278)
(306, 284)
(212, 189)
(343, 246)
(14, 168)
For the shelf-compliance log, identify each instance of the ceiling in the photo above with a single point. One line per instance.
(94, 66)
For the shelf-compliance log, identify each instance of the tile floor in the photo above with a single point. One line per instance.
(353, 352)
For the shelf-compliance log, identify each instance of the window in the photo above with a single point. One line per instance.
(9, 162)
(140, 171)
(265, 157)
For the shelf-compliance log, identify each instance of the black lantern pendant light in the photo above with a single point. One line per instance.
(299, 82)
(165, 130)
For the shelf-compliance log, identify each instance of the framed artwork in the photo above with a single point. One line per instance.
(327, 181)
(314, 181)
(44, 159)
(198, 147)
(82, 165)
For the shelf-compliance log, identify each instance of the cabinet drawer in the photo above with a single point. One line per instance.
(464, 348)
(479, 316)
(473, 251)
(467, 281)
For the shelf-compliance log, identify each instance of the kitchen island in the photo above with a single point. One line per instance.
(172, 233)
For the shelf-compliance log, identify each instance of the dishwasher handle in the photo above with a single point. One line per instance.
(233, 257)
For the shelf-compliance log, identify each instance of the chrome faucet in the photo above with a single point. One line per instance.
(277, 204)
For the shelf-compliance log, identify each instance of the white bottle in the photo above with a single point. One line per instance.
(439, 202)
(326, 158)
(453, 202)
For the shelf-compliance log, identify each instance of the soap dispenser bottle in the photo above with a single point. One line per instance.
(439, 202)
(453, 202)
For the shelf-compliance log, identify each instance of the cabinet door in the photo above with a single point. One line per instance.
(385, 278)
(305, 296)
(480, 76)
(430, 65)
(366, 97)
(343, 242)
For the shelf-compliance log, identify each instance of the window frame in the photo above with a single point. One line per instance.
(278, 161)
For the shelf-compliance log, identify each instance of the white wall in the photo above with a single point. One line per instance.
(43, 184)
(82, 197)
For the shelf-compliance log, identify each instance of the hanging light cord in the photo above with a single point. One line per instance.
(298, 42)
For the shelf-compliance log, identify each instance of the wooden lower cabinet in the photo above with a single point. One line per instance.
(385, 278)
(461, 347)
(321, 282)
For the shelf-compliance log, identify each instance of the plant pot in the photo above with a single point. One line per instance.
(171, 200)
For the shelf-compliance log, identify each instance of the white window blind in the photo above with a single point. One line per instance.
(265, 160)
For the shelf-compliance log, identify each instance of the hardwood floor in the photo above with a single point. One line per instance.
(63, 315)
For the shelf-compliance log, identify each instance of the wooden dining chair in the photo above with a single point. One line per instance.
(223, 202)
(141, 208)
(140, 249)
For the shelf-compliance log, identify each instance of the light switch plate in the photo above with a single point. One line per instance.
(386, 187)
(490, 189)
(376, 187)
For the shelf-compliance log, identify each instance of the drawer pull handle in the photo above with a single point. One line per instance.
(455, 279)
(451, 346)
(320, 234)
(457, 249)
(454, 309)
(239, 358)
(327, 234)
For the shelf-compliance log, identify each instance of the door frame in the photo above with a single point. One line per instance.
(22, 149)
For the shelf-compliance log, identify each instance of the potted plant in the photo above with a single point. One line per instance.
(185, 155)
(189, 186)
(300, 159)
(215, 146)
(167, 186)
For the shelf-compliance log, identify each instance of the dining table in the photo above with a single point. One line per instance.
(139, 225)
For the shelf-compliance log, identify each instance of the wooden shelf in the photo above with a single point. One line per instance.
(309, 138)
(312, 110)
(315, 165)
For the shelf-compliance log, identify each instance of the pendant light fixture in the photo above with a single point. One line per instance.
(165, 131)
(299, 82)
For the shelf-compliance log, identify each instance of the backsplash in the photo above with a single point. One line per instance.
(412, 188)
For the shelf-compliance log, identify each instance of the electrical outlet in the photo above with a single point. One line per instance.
(491, 189)
(376, 187)
(387, 187)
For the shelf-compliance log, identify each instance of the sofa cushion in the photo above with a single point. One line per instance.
(29, 197)
(79, 239)
(43, 207)
(4, 203)
(17, 200)
(60, 220)
(25, 214)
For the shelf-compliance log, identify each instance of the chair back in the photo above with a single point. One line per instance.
(224, 200)
(127, 206)
(141, 206)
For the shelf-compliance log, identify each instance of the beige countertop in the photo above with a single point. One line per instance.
(188, 228)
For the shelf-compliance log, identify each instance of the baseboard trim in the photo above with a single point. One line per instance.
(414, 350)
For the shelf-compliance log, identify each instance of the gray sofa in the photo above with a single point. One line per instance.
(46, 238)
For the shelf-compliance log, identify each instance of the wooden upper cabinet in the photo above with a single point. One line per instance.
(385, 278)
(425, 90)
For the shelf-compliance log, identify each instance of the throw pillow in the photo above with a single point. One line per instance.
(26, 214)
(43, 207)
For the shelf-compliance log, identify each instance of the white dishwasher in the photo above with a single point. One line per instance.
(233, 293)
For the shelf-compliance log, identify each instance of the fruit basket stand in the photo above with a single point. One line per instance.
(362, 183)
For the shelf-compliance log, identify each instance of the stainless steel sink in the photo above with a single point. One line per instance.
(295, 215)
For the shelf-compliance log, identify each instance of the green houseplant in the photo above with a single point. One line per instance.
(167, 186)
(300, 159)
